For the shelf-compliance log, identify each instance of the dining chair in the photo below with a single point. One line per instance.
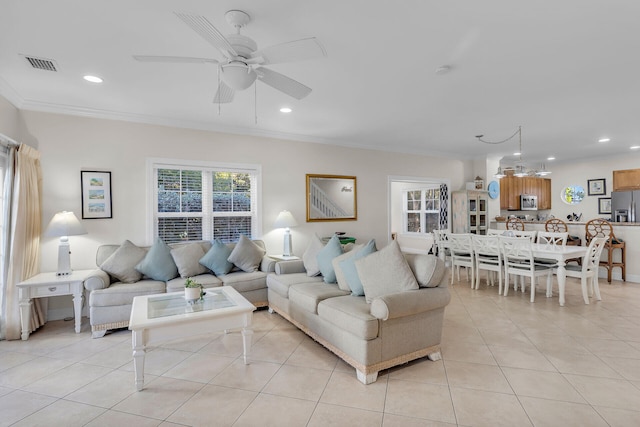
(515, 224)
(519, 261)
(602, 228)
(588, 271)
(488, 256)
(461, 250)
(550, 238)
(531, 235)
(441, 243)
(494, 232)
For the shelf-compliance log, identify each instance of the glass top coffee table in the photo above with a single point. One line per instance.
(165, 317)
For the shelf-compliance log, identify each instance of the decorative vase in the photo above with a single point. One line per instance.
(191, 294)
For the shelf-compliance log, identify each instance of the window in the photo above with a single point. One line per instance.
(422, 210)
(204, 201)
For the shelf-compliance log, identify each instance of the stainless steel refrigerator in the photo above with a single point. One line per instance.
(623, 206)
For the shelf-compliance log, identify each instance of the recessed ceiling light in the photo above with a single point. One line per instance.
(93, 79)
(634, 147)
(604, 140)
(517, 153)
(285, 110)
(551, 158)
(443, 69)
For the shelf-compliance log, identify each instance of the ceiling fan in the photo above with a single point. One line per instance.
(243, 62)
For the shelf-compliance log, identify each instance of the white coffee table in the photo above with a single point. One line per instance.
(165, 317)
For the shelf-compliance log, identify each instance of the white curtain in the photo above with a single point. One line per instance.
(22, 219)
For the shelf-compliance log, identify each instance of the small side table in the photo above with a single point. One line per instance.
(280, 257)
(51, 285)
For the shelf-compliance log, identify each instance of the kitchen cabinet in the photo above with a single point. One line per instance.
(511, 187)
(628, 179)
(469, 211)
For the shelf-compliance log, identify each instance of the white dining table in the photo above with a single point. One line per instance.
(561, 254)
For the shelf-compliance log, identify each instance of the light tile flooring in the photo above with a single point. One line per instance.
(506, 362)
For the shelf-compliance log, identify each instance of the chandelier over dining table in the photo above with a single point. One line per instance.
(520, 170)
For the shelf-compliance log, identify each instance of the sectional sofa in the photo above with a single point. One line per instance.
(394, 318)
(126, 271)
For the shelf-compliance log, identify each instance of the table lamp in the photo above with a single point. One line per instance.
(64, 224)
(286, 220)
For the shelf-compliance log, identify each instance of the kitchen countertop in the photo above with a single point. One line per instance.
(615, 224)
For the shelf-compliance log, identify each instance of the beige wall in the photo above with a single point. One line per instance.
(8, 119)
(69, 144)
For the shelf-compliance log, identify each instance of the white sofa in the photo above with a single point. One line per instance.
(390, 329)
(110, 298)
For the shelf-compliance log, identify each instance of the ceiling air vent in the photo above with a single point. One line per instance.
(41, 63)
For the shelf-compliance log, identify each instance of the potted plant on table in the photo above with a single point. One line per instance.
(193, 290)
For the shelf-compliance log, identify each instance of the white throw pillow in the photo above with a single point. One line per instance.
(246, 255)
(342, 282)
(385, 272)
(187, 259)
(310, 256)
(122, 263)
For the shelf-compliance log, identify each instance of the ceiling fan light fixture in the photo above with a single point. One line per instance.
(238, 75)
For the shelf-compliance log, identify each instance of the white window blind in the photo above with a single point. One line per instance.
(196, 202)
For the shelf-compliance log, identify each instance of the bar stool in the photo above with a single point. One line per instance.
(515, 224)
(557, 225)
(603, 228)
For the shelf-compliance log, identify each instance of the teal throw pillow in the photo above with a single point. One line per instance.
(216, 258)
(332, 249)
(351, 273)
(158, 263)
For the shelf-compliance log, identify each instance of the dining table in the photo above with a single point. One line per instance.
(560, 254)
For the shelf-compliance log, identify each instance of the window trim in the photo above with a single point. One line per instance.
(153, 163)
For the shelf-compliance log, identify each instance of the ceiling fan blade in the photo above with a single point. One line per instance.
(207, 31)
(176, 59)
(282, 83)
(297, 50)
(224, 94)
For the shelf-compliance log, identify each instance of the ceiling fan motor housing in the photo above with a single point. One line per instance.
(243, 45)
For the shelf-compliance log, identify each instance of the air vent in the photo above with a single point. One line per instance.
(41, 63)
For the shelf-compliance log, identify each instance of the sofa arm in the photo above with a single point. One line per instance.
(407, 303)
(268, 264)
(290, 267)
(98, 279)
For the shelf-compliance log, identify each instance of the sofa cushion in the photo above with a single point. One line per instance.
(308, 295)
(122, 263)
(243, 282)
(158, 263)
(349, 268)
(427, 269)
(207, 280)
(216, 258)
(122, 293)
(280, 283)
(246, 255)
(187, 259)
(348, 252)
(350, 313)
(310, 256)
(326, 255)
(385, 272)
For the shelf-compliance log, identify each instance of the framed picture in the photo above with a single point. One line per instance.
(604, 205)
(597, 187)
(96, 194)
(331, 198)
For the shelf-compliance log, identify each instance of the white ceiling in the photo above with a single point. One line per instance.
(567, 71)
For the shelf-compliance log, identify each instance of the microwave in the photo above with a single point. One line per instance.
(528, 202)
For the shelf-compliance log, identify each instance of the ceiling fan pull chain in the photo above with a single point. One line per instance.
(255, 102)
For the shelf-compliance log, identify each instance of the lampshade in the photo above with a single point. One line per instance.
(64, 224)
(285, 220)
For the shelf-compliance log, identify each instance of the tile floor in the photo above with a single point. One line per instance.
(506, 362)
